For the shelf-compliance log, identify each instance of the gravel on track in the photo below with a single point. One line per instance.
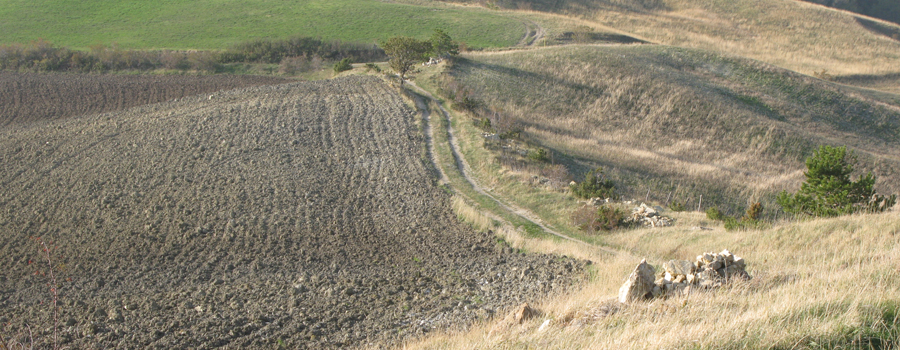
(302, 215)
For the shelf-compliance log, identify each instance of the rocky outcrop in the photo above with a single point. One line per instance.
(710, 270)
(648, 216)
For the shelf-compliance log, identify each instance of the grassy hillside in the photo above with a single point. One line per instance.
(208, 24)
(791, 34)
(823, 284)
(680, 121)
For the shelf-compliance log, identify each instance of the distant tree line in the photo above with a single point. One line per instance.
(293, 54)
(274, 51)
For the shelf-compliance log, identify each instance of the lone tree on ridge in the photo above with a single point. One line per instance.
(405, 52)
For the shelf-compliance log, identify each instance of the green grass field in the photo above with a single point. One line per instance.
(213, 24)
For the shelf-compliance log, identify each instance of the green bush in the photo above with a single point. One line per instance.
(676, 206)
(715, 214)
(750, 220)
(594, 186)
(484, 124)
(828, 190)
(343, 65)
(597, 219)
(443, 45)
(371, 66)
(539, 155)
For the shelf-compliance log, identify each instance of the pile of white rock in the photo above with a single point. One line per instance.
(648, 216)
(711, 270)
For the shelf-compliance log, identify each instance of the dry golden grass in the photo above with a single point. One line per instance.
(682, 121)
(796, 35)
(828, 283)
(791, 34)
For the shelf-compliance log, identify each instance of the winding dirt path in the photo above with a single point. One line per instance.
(466, 170)
(534, 32)
(429, 138)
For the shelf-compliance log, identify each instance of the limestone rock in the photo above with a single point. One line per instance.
(679, 267)
(710, 270)
(524, 313)
(638, 284)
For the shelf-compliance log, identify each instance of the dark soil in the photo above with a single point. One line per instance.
(27, 97)
(301, 215)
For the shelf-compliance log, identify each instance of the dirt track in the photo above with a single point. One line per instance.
(300, 214)
(27, 97)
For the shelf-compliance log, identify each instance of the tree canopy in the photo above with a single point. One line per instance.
(405, 52)
(828, 190)
(442, 44)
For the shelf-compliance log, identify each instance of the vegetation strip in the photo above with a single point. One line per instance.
(463, 167)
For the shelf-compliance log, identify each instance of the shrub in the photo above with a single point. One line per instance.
(715, 214)
(274, 51)
(828, 190)
(592, 219)
(371, 66)
(443, 45)
(754, 212)
(296, 64)
(750, 220)
(343, 65)
(464, 102)
(484, 124)
(676, 206)
(539, 155)
(594, 185)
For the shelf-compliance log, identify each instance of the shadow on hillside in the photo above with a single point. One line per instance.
(879, 28)
(597, 38)
(867, 79)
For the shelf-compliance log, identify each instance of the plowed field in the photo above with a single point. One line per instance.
(26, 97)
(302, 215)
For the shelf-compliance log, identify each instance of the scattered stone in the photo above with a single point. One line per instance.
(524, 313)
(597, 201)
(544, 325)
(115, 316)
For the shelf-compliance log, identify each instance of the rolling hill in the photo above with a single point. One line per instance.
(795, 35)
(681, 120)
